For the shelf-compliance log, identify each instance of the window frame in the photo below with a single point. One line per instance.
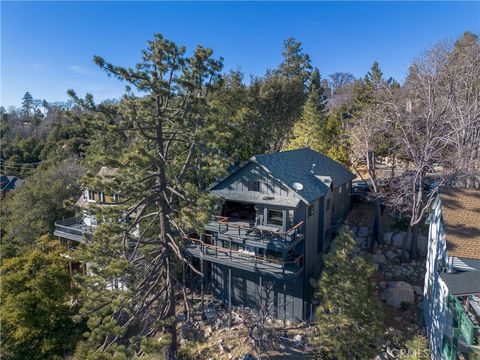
(269, 217)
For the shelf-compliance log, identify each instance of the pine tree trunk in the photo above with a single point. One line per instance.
(164, 224)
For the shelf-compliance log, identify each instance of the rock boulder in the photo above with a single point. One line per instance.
(387, 238)
(398, 238)
(399, 292)
(418, 290)
(379, 258)
(391, 254)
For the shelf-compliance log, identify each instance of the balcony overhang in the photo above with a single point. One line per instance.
(256, 198)
(462, 283)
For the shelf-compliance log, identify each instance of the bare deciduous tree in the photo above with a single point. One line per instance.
(367, 133)
(420, 118)
(463, 78)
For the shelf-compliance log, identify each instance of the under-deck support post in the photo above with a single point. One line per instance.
(284, 304)
(229, 295)
(202, 288)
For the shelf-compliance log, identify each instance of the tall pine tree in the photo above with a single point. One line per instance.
(295, 63)
(131, 291)
(309, 130)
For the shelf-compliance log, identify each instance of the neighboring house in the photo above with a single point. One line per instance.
(78, 229)
(452, 280)
(75, 229)
(7, 184)
(279, 216)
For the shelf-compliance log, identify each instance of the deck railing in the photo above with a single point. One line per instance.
(243, 257)
(73, 226)
(470, 332)
(225, 224)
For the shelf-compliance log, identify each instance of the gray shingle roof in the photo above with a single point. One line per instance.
(307, 167)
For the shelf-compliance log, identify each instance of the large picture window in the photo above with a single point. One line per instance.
(275, 217)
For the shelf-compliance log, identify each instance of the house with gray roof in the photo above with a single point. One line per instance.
(280, 212)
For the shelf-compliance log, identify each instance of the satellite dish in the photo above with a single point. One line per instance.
(297, 186)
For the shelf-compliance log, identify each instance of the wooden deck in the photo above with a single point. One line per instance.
(246, 233)
(72, 229)
(243, 260)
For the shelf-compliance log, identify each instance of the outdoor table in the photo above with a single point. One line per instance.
(269, 228)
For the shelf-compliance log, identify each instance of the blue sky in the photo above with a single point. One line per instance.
(47, 47)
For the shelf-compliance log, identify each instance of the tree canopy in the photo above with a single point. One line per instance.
(349, 317)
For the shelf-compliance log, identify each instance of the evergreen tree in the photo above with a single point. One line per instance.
(315, 82)
(416, 349)
(130, 293)
(375, 75)
(37, 315)
(336, 137)
(31, 210)
(295, 63)
(349, 318)
(27, 104)
(310, 129)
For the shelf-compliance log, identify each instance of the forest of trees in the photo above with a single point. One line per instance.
(180, 125)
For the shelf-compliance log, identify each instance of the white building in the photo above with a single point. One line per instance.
(452, 280)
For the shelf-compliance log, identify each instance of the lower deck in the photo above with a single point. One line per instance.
(246, 261)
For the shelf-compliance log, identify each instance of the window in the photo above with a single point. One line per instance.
(328, 205)
(116, 197)
(101, 195)
(275, 217)
(90, 195)
(254, 185)
(311, 210)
